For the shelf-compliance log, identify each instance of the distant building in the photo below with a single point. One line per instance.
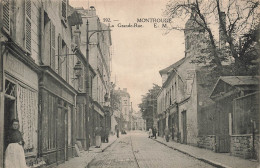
(125, 109)
(138, 123)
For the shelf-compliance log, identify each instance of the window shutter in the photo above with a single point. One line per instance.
(28, 35)
(64, 9)
(52, 42)
(28, 8)
(6, 16)
(28, 25)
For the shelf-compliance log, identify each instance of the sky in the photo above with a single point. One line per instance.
(138, 52)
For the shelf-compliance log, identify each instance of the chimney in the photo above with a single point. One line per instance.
(92, 11)
(222, 40)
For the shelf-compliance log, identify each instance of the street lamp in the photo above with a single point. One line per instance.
(78, 70)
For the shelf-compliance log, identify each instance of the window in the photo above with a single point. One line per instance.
(49, 42)
(52, 41)
(64, 9)
(6, 16)
(187, 43)
(58, 59)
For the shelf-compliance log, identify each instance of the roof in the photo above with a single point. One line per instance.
(75, 19)
(173, 66)
(240, 80)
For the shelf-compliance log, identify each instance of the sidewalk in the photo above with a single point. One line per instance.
(222, 160)
(87, 156)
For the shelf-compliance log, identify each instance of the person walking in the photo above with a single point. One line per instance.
(107, 135)
(14, 154)
(150, 133)
(117, 132)
(102, 134)
(166, 134)
(154, 132)
(98, 137)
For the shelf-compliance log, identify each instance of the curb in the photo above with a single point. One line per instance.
(109, 145)
(213, 163)
(87, 166)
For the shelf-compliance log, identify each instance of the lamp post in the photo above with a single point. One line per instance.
(88, 77)
(87, 89)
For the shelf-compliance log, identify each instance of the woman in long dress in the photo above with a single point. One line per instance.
(14, 154)
(98, 137)
(150, 132)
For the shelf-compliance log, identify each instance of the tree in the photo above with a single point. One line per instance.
(115, 99)
(239, 32)
(148, 107)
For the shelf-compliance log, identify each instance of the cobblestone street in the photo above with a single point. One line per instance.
(136, 150)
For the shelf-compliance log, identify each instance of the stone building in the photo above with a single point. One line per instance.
(185, 91)
(45, 79)
(124, 114)
(236, 116)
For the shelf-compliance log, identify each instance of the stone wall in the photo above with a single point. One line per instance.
(242, 146)
(208, 142)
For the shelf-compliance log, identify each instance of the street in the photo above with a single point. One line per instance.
(136, 150)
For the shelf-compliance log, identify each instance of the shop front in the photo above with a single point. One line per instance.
(57, 128)
(20, 98)
(97, 116)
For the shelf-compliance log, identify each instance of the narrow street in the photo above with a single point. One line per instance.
(136, 150)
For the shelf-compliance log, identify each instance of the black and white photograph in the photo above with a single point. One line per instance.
(129, 84)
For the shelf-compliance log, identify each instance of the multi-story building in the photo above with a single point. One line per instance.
(99, 39)
(45, 79)
(125, 112)
(20, 56)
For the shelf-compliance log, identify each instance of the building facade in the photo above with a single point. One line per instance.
(184, 91)
(47, 82)
(124, 112)
(99, 39)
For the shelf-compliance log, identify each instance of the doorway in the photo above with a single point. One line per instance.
(9, 114)
(184, 127)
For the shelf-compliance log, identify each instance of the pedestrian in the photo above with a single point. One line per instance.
(107, 135)
(98, 137)
(14, 154)
(154, 132)
(150, 132)
(172, 133)
(102, 134)
(117, 132)
(166, 134)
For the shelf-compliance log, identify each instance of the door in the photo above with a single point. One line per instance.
(184, 126)
(223, 143)
(66, 130)
(61, 135)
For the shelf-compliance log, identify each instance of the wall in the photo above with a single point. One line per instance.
(242, 146)
(208, 142)
(190, 106)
